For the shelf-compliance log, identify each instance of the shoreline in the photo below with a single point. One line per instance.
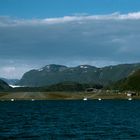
(19, 96)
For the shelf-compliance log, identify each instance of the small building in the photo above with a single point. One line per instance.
(93, 90)
(131, 93)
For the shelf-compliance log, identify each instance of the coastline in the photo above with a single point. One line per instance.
(64, 96)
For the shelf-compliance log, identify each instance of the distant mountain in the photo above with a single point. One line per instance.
(53, 74)
(132, 82)
(4, 86)
(10, 81)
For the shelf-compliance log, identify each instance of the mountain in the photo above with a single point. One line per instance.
(53, 74)
(132, 82)
(10, 81)
(4, 86)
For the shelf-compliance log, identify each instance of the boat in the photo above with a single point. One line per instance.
(85, 99)
(12, 100)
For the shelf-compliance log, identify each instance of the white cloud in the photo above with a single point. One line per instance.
(70, 40)
(12, 72)
(8, 21)
(13, 69)
(8, 69)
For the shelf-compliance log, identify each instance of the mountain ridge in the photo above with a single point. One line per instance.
(53, 74)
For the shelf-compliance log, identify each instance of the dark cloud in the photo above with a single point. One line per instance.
(72, 40)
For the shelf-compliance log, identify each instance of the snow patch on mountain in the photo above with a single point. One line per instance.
(83, 67)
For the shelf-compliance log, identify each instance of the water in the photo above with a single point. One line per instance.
(74, 120)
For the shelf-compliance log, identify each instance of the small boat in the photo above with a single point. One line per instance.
(12, 100)
(129, 99)
(99, 99)
(33, 100)
(85, 99)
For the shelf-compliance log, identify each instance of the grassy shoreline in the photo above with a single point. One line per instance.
(63, 96)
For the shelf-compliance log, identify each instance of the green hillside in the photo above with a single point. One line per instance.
(132, 82)
(4, 86)
(71, 86)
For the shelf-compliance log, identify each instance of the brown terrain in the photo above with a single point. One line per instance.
(62, 96)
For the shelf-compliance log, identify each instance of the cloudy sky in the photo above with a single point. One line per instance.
(35, 33)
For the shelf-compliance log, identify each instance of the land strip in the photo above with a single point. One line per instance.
(61, 96)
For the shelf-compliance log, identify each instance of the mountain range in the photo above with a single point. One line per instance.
(53, 74)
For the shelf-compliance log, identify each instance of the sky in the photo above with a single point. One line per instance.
(36, 33)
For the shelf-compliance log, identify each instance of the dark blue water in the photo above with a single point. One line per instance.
(76, 120)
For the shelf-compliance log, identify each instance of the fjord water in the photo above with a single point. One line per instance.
(106, 119)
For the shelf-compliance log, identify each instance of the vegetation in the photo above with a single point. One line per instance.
(64, 86)
(132, 82)
(71, 86)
